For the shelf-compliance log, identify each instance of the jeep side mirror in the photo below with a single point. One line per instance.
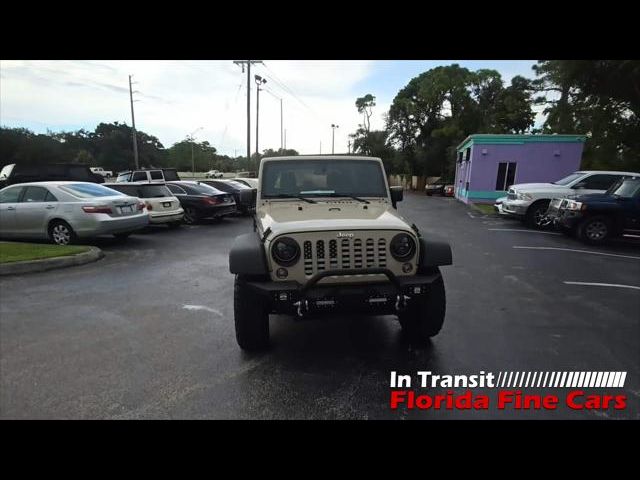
(397, 195)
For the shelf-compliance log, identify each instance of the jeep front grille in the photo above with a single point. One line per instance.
(345, 253)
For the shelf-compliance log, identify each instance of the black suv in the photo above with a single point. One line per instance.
(597, 217)
(16, 173)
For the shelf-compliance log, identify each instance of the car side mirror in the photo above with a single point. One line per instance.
(397, 195)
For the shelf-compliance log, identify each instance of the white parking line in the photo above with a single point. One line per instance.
(579, 251)
(521, 230)
(202, 307)
(594, 284)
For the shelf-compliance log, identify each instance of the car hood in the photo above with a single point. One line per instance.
(290, 217)
(528, 187)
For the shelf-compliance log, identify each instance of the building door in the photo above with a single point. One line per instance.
(506, 175)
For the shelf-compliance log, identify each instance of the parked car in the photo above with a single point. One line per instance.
(213, 174)
(530, 201)
(244, 196)
(156, 175)
(595, 218)
(102, 171)
(434, 189)
(249, 182)
(449, 190)
(201, 201)
(19, 173)
(328, 239)
(163, 207)
(66, 211)
(497, 206)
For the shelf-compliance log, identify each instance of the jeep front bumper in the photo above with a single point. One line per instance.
(392, 296)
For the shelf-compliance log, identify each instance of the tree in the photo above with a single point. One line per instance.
(365, 107)
(513, 112)
(599, 98)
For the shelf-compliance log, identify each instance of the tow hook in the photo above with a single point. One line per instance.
(302, 307)
(401, 302)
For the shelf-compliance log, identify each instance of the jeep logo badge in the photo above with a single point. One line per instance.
(344, 235)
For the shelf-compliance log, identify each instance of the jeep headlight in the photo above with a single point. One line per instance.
(524, 196)
(285, 251)
(402, 247)
(573, 205)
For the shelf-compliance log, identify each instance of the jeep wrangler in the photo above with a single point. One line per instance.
(327, 238)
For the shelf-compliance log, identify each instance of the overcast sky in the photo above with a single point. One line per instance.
(178, 97)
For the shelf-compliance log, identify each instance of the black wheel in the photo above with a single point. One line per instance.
(595, 230)
(536, 216)
(424, 316)
(122, 236)
(190, 215)
(61, 233)
(174, 225)
(251, 316)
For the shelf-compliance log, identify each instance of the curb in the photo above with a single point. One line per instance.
(30, 266)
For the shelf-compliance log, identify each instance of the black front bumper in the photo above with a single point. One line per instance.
(379, 298)
(564, 219)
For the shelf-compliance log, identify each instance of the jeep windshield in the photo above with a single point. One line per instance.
(323, 178)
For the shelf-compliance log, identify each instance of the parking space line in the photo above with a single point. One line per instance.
(579, 251)
(522, 230)
(595, 284)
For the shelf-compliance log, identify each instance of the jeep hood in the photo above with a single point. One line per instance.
(288, 217)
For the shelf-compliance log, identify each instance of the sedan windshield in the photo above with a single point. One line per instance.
(317, 178)
(89, 190)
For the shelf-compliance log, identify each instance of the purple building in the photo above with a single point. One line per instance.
(487, 165)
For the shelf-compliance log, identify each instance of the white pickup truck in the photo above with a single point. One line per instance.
(102, 171)
(530, 201)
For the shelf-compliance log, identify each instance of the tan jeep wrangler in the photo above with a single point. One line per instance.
(327, 238)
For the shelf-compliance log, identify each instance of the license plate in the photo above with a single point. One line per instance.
(166, 204)
(126, 209)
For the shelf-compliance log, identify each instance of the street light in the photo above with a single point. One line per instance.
(259, 81)
(193, 163)
(333, 135)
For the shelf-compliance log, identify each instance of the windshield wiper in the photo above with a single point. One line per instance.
(286, 195)
(346, 195)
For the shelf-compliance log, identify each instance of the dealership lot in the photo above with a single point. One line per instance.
(148, 331)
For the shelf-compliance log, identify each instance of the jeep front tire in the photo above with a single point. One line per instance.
(424, 315)
(251, 316)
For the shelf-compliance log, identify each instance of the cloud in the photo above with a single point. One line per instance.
(176, 97)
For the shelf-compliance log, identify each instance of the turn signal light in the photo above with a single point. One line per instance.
(97, 209)
(211, 200)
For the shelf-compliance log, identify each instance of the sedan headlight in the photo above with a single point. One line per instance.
(524, 196)
(402, 247)
(285, 251)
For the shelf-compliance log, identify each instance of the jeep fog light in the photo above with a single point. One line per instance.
(282, 273)
(407, 267)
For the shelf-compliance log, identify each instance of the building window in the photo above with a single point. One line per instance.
(459, 157)
(468, 154)
(506, 175)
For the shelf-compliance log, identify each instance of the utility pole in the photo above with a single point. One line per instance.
(333, 136)
(259, 81)
(133, 126)
(320, 147)
(248, 63)
(193, 162)
(281, 126)
(349, 147)
(285, 138)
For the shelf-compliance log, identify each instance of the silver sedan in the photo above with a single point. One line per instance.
(66, 211)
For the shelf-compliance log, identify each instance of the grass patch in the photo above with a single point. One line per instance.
(18, 252)
(486, 209)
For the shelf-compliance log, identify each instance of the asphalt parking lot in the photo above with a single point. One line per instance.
(147, 332)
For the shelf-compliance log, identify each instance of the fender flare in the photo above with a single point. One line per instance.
(434, 253)
(247, 256)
